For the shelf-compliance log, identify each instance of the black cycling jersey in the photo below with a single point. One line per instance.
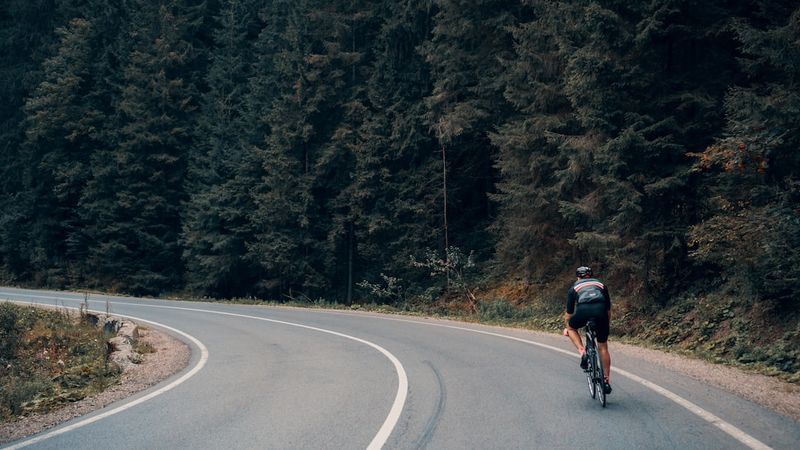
(586, 291)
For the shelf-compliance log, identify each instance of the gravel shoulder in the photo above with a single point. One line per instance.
(770, 392)
(171, 356)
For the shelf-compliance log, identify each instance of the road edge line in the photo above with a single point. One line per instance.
(402, 378)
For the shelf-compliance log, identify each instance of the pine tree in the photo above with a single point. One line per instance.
(468, 41)
(394, 198)
(751, 221)
(345, 64)
(630, 78)
(63, 127)
(223, 170)
(26, 31)
(287, 244)
(133, 202)
(532, 236)
(605, 85)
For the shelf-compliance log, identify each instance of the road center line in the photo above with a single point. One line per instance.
(402, 380)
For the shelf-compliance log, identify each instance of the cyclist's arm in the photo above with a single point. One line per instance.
(570, 309)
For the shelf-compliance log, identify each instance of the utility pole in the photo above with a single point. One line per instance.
(350, 236)
(444, 191)
(350, 244)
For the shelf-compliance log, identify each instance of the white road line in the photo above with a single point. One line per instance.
(731, 430)
(119, 409)
(402, 380)
(718, 422)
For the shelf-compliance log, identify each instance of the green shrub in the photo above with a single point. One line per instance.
(48, 358)
(502, 310)
(143, 347)
(9, 332)
(16, 392)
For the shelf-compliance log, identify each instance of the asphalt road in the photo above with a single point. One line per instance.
(284, 378)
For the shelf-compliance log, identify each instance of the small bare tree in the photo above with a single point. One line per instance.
(389, 291)
(455, 266)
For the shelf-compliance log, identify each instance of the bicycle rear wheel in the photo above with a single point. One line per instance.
(600, 387)
(590, 372)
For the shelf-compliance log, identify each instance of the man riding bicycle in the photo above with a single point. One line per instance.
(588, 299)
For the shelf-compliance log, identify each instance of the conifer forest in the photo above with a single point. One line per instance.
(355, 150)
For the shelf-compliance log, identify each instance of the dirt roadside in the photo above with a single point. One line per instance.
(171, 356)
(770, 392)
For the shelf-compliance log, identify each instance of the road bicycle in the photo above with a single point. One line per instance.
(594, 370)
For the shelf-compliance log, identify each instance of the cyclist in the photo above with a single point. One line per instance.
(588, 299)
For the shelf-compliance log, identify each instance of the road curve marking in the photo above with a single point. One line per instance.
(402, 379)
(131, 404)
(709, 417)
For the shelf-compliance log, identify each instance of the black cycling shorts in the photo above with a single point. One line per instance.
(596, 311)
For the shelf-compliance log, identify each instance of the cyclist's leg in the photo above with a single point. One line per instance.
(576, 322)
(575, 337)
(602, 345)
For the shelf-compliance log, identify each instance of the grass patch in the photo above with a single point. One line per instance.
(48, 358)
(143, 347)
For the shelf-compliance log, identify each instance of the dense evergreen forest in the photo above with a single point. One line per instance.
(355, 150)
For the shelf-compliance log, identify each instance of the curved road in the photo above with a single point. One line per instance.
(286, 378)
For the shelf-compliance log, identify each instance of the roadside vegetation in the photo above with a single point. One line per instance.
(49, 358)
